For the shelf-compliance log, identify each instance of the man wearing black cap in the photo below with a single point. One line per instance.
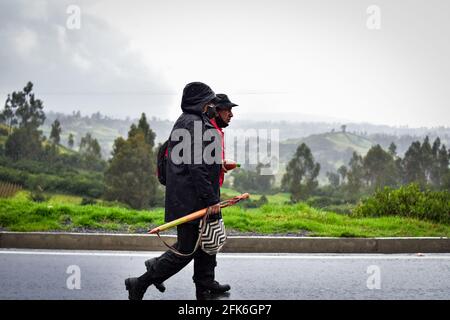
(223, 106)
(220, 121)
(189, 187)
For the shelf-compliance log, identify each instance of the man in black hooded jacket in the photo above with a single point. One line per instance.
(191, 184)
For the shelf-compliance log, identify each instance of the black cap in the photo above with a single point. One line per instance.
(222, 101)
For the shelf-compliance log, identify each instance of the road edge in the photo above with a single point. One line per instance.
(234, 244)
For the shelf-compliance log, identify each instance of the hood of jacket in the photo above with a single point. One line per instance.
(195, 96)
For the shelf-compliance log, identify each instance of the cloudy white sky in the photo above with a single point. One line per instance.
(282, 57)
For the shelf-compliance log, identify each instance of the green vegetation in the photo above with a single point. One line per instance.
(300, 179)
(252, 181)
(42, 165)
(130, 177)
(407, 201)
(29, 175)
(21, 214)
(331, 149)
(71, 190)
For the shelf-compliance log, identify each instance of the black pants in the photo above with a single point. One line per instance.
(170, 263)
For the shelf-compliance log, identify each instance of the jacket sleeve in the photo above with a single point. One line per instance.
(199, 171)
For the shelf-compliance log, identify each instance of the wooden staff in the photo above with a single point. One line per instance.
(197, 214)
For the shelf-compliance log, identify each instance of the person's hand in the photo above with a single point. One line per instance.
(215, 209)
(223, 168)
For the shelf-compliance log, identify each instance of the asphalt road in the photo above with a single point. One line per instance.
(52, 274)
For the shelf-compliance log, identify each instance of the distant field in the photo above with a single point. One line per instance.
(62, 213)
(279, 198)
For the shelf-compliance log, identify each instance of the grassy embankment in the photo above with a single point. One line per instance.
(63, 213)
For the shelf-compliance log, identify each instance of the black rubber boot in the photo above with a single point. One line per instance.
(148, 264)
(135, 289)
(206, 291)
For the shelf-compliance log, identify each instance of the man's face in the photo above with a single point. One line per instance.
(226, 114)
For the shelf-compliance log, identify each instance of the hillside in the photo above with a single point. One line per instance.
(331, 149)
(103, 128)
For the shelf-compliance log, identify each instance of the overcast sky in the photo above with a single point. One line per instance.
(283, 57)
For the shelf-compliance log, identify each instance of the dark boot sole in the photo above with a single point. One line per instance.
(208, 295)
(159, 286)
(129, 287)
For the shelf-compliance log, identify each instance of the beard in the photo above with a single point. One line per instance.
(220, 122)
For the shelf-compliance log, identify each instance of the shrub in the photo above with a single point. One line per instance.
(407, 201)
(83, 184)
(323, 201)
(346, 208)
(88, 201)
(4, 131)
(37, 195)
(252, 204)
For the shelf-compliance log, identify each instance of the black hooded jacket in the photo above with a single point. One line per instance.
(191, 186)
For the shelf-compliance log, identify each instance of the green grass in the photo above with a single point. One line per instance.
(346, 140)
(278, 198)
(229, 192)
(20, 214)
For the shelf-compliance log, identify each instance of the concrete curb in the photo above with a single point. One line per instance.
(140, 242)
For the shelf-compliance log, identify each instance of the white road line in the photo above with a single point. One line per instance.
(243, 256)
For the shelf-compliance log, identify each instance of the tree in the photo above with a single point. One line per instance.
(440, 162)
(55, 134)
(379, 167)
(446, 181)
(426, 159)
(24, 110)
(24, 143)
(412, 165)
(301, 174)
(28, 109)
(130, 176)
(70, 141)
(333, 178)
(443, 160)
(90, 149)
(355, 175)
(392, 149)
(264, 183)
(252, 181)
(8, 115)
(145, 128)
(343, 172)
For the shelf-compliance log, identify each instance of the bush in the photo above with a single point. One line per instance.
(37, 195)
(88, 201)
(407, 201)
(83, 184)
(252, 204)
(340, 208)
(323, 201)
(4, 131)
